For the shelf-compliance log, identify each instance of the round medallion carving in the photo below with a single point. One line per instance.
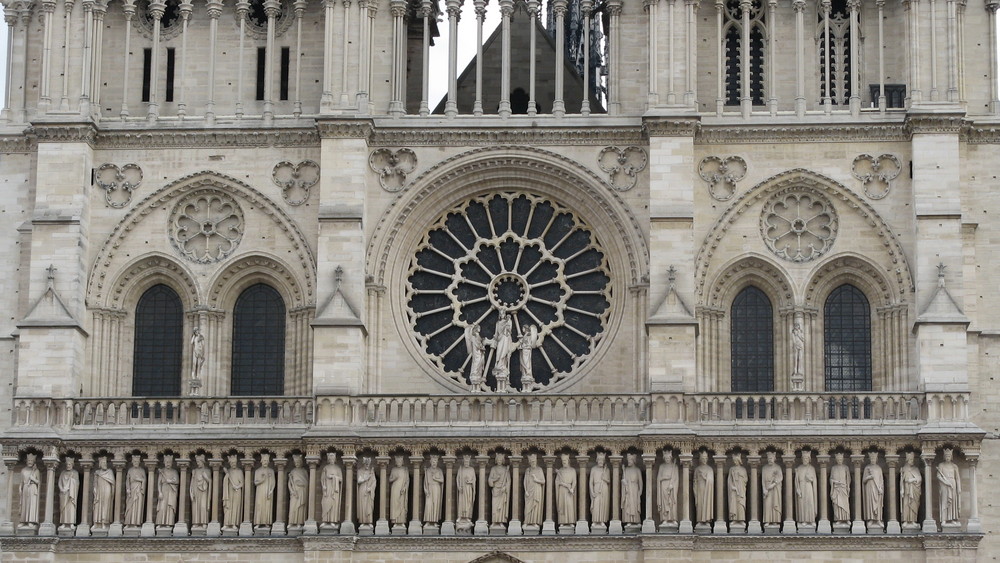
(206, 226)
(504, 278)
(798, 224)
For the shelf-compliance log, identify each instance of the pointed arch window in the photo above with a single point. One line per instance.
(744, 34)
(752, 342)
(158, 343)
(847, 340)
(835, 56)
(258, 342)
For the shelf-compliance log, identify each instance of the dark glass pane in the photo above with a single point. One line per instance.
(847, 340)
(752, 342)
(159, 341)
(259, 342)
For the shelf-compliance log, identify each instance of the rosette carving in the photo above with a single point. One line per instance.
(206, 226)
(798, 224)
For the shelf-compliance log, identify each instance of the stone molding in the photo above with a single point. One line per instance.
(491, 136)
(710, 134)
(206, 138)
(63, 133)
(344, 128)
(981, 133)
(17, 144)
(671, 127)
(934, 123)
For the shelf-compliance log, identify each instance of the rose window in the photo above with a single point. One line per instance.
(798, 226)
(206, 226)
(507, 279)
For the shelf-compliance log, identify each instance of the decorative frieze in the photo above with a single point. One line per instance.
(490, 136)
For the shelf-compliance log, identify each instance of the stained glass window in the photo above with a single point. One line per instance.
(159, 342)
(259, 342)
(752, 342)
(847, 340)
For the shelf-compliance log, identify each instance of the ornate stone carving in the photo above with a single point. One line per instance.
(534, 494)
(392, 167)
(840, 488)
(622, 166)
(805, 491)
(667, 483)
(118, 183)
(201, 493)
(331, 484)
(264, 484)
(565, 492)
(491, 137)
(69, 491)
(499, 482)
(465, 482)
(170, 21)
(295, 180)
(167, 486)
(298, 492)
(135, 493)
(737, 488)
(949, 491)
(206, 226)
(366, 493)
(873, 484)
(104, 492)
(771, 479)
(165, 138)
(798, 225)
(876, 173)
(399, 491)
(704, 490)
(631, 491)
(722, 174)
(232, 495)
(31, 481)
(256, 19)
(600, 490)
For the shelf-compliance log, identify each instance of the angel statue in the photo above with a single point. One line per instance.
(475, 345)
(528, 342)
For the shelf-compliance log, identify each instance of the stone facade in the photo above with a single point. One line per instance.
(511, 330)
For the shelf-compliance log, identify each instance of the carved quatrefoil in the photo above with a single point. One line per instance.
(295, 180)
(876, 171)
(622, 166)
(722, 174)
(118, 183)
(392, 166)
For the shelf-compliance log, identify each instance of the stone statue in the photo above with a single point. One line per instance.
(949, 490)
(600, 490)
(475, 346)
(366, 492)
(910, 482)
(167, 485)
(805, 490)
(232, 494)
(534, 492)
(264, 483)
(528, 342)
(466, 483)
(201, 492)
(135, 493)
(503, 346)
(433, 484)
(331, 483)
(103, 489)
(874, 490)
(840, 489)
(631, 491)
(197, 359)
(798, 347)
(499, 482)
(69, 491)
(771, 478)
(298, 487)
(737, 485)
(667, 479)
(31, 479)
(566, 491)
(704, 490)
(399, 490)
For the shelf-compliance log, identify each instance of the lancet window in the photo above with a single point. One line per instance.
(258, 366)
(159, 326)
(752, 342)
(834, 52)
(847, 340)
(744, 34)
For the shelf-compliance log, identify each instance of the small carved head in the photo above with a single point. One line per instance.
(234, 461)
(533, 460)
(434, 460)
(737, 458)
(398, 460)
(703, 457)
(500, 458)
(30, 460)
(839, 457)
(630, 458)
(265, 460)
(873, 456)
(565, 459)
(366, 461)
(466, 460)
(70, 460)
(771, 456)
(668, 455)
(910, 458)
(102, 461)
(806, 456)
(168, 460)
(297, 460)
(199, 460)
(601, 457)
(948, 454)
(331, 457)
(136, 460)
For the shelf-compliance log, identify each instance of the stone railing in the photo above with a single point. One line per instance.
(798, 407)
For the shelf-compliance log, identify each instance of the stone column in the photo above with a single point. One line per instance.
(892, 525)
(242, 9)
(991, 10)
(454, 9)
(482, 523)
(300, 8)
(382, 524)
(974, 525)
(7, 525)
(685, 500)
(347, 524)
(881, 102)
(326, 101)
(448, 525)
(549, 525)
(416, 527)
(214, 8)
(214, 526)
(514, 528)
(156, 10)
(533, 6)
(345, 22)
(83, 528)
(181, 526)
(649, 523)
(929, 525)
(397, 105)
(278, 526)
(558, 105)
(746, 101)
(587, 6)
(128, 8)
(720, 493)
(115, 530)
(582, 528)
(788, 526)
(614, 8)
(47, 528)
(800, 57)
(825, 6)
(652, 96)
(45, 99)
(148, 529)
(272, 8)
(246, 526)
(615, 526)
(824, 526)
(310, 526)
(858, 525)
(506, 10)
(855, 6)
(772, 53)
(690, 50)
(753, 522)
(425, 56)
(10, 17)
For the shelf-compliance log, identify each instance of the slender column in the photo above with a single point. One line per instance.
(615, 526)
(242, 9)
(47, 528)
(788, 526)
(586, 6)
(934, 51)
(746, 102)
(916, 95)
(382, 524)
(300, 8)
(272, 8)
(186, 8)
(310, 526)
(652, 98)
(929, 525)
(83, 528)
(347, 524)
(156, 9)
(772, 53)
(614, 73)
(858, 526)
(480, 6)
(753, 525)
(425, 14)
(648, 523)
(45, 98)
(720, 69)
(800, 57)
(129, 9)
(960, 54)
(344, 59)
(67, 17)
(214, 526)
(416, 525)
(181, 526)
(824, 494)
(952, 51)
(548, 526)
(148, 527)
(582, 528)
(368, 9)
(116, 525)
(854, 6)
(85, 68)
(214, 8)
(515, 529)
(533, 6)
(246, 527)
(892, 525)
(825, 6)
(448, 525)
(398, 9)
(974, 525)
(482, 523)
(685, 501)
(7, 523)
(100, 9)
(278, 526)
(326, 102)
(880, 4)
(10, 16)
(720, 492)
(690, 50)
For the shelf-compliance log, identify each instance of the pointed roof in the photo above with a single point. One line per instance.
(942, 307)
(50, 310)
(338, 310)
(672, 309)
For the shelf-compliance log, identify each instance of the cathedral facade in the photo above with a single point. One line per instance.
(659, 280)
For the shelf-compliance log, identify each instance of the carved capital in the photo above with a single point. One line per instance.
(156, 9)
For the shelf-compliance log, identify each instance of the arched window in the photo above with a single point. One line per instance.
(259, 342)
(159, 342)
(847, 340)
(738, 55)
(752, 342)
(835, 57)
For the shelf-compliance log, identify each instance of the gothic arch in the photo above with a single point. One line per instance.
(243, 271)
(856, 270)
(756, 270)
(143, 273)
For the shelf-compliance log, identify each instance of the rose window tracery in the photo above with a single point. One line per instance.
(798, 225)
(508, 292)
(206, 226)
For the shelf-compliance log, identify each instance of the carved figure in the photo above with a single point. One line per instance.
(600, 490)
(201, 491)
(475, 345)
(874, 489)
(499, 482)
(31, 479)
(534, 492)
(840, 489)
(798, 346)
(232, 494)
(135, 492)
(298, 486)
(949, 490)
(737, 485)
(805, 490)
(264, 483)
(667, 479)
(332, 484)
(503, 346)
(197, 353)
(771, 479)
(366, 491)
(167, 485)
(433, 483)
(69, 491)
(704, 490)
(466, 482)
(631, 491)
(103, 489)
(566, 491)
(910, 482)
(399, 489)
(528, 342)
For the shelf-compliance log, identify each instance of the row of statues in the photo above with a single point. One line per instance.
(417, 494)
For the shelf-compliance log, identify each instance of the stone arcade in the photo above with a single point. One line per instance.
(654, 281)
